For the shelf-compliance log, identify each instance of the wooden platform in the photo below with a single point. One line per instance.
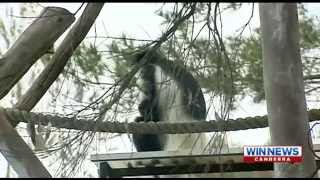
(169, 163)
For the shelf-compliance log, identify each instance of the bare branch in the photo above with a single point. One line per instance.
(31, 45)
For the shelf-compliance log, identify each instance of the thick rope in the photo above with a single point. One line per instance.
(143, 127)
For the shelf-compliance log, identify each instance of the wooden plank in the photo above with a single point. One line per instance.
(156, 154)
(176, 162)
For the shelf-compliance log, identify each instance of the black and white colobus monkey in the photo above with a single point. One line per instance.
(169, 93)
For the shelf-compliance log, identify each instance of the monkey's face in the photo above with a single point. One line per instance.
(136, 57)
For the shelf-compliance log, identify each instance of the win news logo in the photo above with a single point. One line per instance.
(260, 154)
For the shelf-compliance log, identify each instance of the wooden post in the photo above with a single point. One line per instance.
(284, 87)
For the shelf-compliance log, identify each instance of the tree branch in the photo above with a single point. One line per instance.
(60, 58)
(17, 152)
(31, 45)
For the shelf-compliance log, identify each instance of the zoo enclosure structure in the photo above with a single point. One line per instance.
(161, 162)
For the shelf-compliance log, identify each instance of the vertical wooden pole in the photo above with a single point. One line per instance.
(283, 83)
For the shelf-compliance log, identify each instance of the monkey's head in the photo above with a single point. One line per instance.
(137, 56)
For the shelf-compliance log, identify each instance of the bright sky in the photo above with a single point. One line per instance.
(138, 20)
